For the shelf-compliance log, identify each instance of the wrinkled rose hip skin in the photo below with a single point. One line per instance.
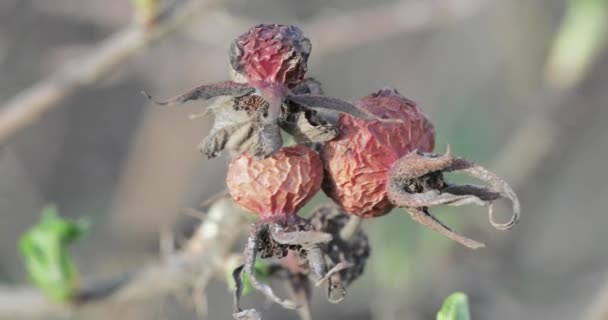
(358, 161)
(271, 54)
(268, 93)
(373, 166)
(275, 188)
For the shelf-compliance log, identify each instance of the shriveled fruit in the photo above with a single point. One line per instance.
(358, 160)
(274, 189)
(269, 92)
(271, 53)
(373, 166)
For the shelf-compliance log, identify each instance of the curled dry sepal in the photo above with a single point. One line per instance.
(275, 188)
(373, 166)
(269, 92)
(345, 256)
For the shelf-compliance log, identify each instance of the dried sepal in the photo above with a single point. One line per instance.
(230, 137)
(416, 183)
(347, 252)
(424, 217)
(308, 86)
(497, 185)
(250, 254)
(240, 126)
(269, 63)
(206, 92)
(324, 104)
(269, 141)
(301, 238)
(274, 240)
(305, 128)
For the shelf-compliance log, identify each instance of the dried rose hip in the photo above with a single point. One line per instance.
(269, 93)
(373, 166)
(271, 53)
(357, 162)
(274, 189)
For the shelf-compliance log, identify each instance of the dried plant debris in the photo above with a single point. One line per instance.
(269, 92)
(305, 250)
(416, 183)
(275, 240)
(349, 249)
(275, 189)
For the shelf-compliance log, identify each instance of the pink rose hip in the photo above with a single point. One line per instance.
(277, 186)
(374, 165)
(358, 161)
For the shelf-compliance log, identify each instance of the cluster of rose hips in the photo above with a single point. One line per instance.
(368, 156)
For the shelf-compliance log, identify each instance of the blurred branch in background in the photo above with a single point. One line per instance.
(346, 30)
(598, 309)
(178, 270)
(328, 33)
(578, 42)
(136, 199)
(195, 264)
(26, 107)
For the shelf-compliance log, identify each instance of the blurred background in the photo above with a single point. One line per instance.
(519, 86)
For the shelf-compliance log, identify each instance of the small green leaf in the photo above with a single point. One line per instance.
(455, 307)
(146, 11)
(262, 272)
(44, 248)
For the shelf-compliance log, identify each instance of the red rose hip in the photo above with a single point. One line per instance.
(373, 166)
(271, 53)
(358, 161)
(276, 186)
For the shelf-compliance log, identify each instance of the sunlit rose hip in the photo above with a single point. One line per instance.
(373, 166)
(358, 161)
(275, 188)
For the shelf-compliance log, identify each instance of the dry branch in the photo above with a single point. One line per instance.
(26, 107)
(329, 34)
(200, 258)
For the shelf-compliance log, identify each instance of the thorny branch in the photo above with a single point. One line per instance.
(200, 258)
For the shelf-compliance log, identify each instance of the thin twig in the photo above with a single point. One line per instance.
(330, 34)
(27, 107)
(200, 258)
(334, 31)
